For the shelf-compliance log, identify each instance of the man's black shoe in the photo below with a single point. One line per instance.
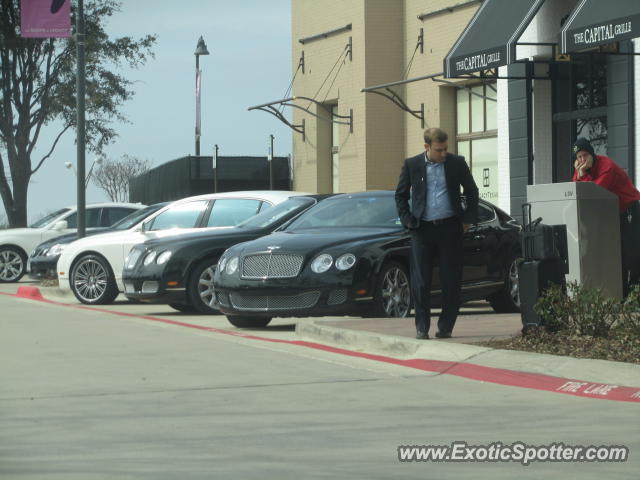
(422, 336)
(443, 334)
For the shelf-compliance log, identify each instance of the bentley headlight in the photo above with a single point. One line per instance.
(346, 261)
(163, 257)
(56, 250)
(232, 265)
(128, 264)
(222, 264)
(322, 263)
(151, 256)
(132, 258)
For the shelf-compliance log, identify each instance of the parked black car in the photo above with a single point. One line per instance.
(44, 258)
(349, 255)
(178, 270)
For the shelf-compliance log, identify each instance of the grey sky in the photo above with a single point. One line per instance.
(249, 64)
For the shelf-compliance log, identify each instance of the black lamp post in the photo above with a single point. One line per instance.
(80, 115)
(201, 49)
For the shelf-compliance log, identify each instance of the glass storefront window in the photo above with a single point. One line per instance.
(590, 83)
(477, 109)
(484, 167)
(464, 149)
(463, 111)
(492, 108)
(477, 136)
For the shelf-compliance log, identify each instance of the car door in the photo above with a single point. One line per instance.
(480, 243)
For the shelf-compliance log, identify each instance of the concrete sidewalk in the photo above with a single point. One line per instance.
(476, 323)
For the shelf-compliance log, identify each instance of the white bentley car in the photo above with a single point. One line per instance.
(92, 266)
(17, 243)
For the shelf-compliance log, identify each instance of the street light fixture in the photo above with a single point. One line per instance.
(71, 166)
(201, 49)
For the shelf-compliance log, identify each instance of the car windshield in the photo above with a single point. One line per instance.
(288, 209)
(44, 221)
(137, 216)
(350, 211)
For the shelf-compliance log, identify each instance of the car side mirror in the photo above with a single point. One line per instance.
(61, 225)
(144, 226)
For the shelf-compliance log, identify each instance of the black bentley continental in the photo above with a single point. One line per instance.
(349, 255)
(178, 270)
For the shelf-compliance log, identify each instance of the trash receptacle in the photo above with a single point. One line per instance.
(544, 248)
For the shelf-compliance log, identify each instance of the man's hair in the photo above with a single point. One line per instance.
(435, 134)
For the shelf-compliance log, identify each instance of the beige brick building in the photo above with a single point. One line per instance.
(343, 46)
(511, 104)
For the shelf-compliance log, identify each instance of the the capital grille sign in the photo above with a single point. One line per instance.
(600, 34)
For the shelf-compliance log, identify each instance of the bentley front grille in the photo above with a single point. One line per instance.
(270, 265)
(336, 297)
(223, 299)
(242, 301)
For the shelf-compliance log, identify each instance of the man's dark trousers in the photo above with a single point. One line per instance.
(442, 243)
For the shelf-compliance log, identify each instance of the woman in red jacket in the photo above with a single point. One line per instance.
(603, 171)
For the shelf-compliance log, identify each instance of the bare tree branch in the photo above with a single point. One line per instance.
(113, 176)
(53, 146)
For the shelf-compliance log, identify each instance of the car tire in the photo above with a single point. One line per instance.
(507, 300)
(13, 264)
(183, 307)
(392, 295)
(200, 290)
(248, 322)
(92, 281)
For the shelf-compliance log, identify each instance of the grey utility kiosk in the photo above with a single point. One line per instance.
(593, 230)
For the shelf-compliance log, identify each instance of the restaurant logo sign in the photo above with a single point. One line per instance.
(600, 34)
(477, 61)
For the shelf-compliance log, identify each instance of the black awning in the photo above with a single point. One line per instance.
(598, 22)
(489, 41)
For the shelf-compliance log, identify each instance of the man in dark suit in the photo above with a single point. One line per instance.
(437, 221)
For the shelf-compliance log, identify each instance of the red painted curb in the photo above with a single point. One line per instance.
(500, 376)
(29, 292)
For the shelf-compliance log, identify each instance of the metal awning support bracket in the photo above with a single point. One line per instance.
(395, 98)
(270, 107)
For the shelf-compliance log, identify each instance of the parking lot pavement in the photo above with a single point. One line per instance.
(395, 338)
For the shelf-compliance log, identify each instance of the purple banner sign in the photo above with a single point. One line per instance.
(45, 18)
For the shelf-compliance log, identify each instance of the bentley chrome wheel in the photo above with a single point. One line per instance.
(394, 291)
(12, 265)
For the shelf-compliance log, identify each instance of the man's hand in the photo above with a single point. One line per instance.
(466, 227)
